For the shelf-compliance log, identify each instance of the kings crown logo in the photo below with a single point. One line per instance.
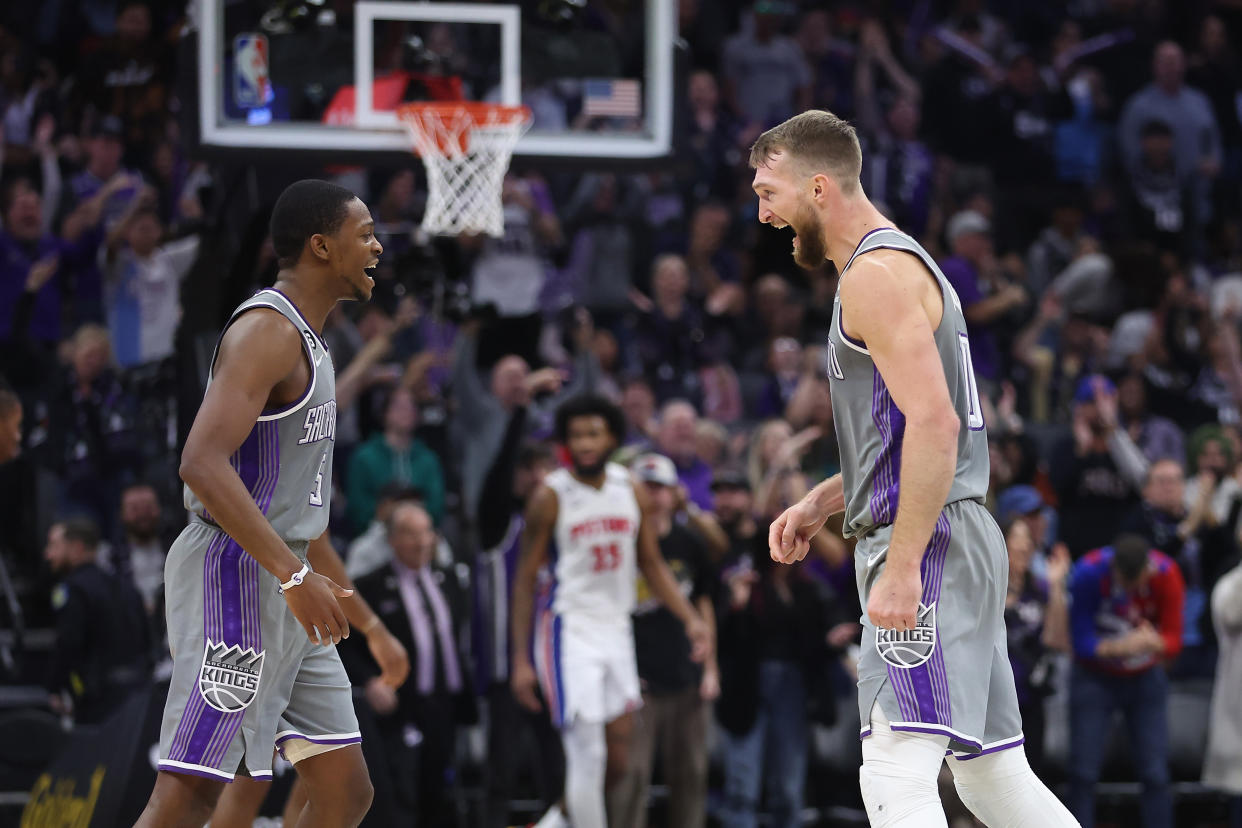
(230, 676)
(909, 648)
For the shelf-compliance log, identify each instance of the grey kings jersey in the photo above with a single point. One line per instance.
(286, 461)
(870, 427)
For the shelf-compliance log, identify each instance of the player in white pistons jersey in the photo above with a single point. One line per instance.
(588, 527)
(595, 562)
(931, 565)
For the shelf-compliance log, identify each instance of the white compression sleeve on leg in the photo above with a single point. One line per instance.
(898, 776)
(1003, 792)
(586, 757)
(553, 819)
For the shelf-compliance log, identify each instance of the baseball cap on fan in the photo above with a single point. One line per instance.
(1085, 391)
(1017, 501)
(655, 468)
(967, 221)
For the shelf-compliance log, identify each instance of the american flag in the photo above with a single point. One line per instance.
(612, 98)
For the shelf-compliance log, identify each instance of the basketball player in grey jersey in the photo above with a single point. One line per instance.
(251, 626)
(932, 569)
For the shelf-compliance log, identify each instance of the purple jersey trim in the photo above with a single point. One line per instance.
(231, 604)
(216, 777)
(885, 473)
(298, 311)
(558, 672)
(857, 343)
(858, 246)
(267, 412)
(300, 401)
(935, 730)
(1017, 742)
(923, 692)
(320, 740)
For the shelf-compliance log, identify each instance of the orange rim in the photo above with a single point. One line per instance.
(480, 113)
(463, 116)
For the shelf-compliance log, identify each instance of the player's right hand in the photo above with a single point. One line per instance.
(524, 685)
(313, 602)
(894, 600)
(789, 538)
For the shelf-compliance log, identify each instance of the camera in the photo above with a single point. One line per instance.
(429, 270)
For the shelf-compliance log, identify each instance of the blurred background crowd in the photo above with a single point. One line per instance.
(1074, 165)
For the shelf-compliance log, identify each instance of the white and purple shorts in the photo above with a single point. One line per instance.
(245, 678)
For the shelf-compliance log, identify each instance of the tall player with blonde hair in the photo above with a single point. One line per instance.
(934, 675)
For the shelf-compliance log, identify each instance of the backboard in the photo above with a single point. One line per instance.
(327, 75)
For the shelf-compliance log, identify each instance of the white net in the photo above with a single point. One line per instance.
(466, 151)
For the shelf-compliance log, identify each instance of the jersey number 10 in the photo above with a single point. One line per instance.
(607, 558)
(974, 417)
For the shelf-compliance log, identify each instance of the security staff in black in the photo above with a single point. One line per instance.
(103, 647)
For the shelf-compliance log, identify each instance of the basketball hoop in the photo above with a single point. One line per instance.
(465, 147)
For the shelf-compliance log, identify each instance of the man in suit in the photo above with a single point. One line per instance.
(426, 608)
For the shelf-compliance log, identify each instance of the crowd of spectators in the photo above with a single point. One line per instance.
(1074, 165)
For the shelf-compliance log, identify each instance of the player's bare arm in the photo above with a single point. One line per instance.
(540, 520)
(890, 302)
(664, 586)
(789, 536)
(388, 652)
(242, 386)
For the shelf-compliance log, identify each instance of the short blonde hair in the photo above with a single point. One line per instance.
(817, 141)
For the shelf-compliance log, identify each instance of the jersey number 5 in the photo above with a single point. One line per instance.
(316, 496)
(607, 558)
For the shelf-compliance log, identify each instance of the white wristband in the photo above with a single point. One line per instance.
(297, 578)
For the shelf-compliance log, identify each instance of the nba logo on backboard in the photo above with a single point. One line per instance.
(252, 86)
(909, 648)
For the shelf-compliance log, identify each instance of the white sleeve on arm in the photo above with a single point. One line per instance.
(1129, 458)
(181, 253)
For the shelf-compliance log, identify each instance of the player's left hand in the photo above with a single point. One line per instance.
(894, 600)
(700, 639)
(390, 655)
